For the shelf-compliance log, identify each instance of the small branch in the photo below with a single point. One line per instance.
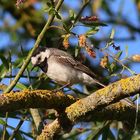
(50, 130)
(17, 128)
(3, 87)
(79, 13)
(124, 23)
(36, 118)
(22, 132)
(22, 76)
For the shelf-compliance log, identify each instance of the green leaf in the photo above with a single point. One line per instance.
(112, 67)
(118, 55)
(14, 36)
(58, 15)
(3, 71)
(19, 136)
(49, 4)
(93, 24)
(72, 14)
(112, 34)
(92, 31)
(2, 122)
(105, 133)
(4, 61)
(20, 86)
(51, 11)
(126, 51)
(47, 9)
(110, 39)
(18, 63)
(66, 27)
(77, 49)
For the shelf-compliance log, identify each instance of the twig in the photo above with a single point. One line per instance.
(132, 72)
(22, 132)
(34, 112)
(22, 76)
(17, 128)
(6, 116)
(4, 127)
(50, 130)
(137, 111)
(79, 13)
(123, 22)
(36, 118)
(100, 130)
(3, 87)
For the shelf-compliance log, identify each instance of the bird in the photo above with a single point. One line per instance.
(61, 67)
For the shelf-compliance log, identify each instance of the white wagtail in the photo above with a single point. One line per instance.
(61, 67)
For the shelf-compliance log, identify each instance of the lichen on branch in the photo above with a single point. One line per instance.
(34, 99)
(99, 101)
(104, 97)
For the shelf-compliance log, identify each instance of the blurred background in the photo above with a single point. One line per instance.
(112, 50)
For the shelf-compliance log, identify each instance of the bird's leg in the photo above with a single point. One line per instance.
(60, 88)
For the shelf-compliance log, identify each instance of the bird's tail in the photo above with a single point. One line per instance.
(99, 83)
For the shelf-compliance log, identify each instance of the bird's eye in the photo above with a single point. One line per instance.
(39, 58)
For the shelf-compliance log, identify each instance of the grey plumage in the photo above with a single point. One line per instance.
(61, 67)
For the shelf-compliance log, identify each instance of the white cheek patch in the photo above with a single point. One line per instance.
(47, 53)
(43, 56)
(33, 60)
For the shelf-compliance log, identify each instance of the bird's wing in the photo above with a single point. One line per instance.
(69, 61)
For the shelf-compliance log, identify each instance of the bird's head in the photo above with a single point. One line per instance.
(39, 57)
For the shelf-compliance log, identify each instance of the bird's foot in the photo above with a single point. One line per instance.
(60, 88)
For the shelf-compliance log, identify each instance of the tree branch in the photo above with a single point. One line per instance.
(104, 97)
(94, 102)
(50, 130)
(96, 106)
(119, 111)
(34, 99)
